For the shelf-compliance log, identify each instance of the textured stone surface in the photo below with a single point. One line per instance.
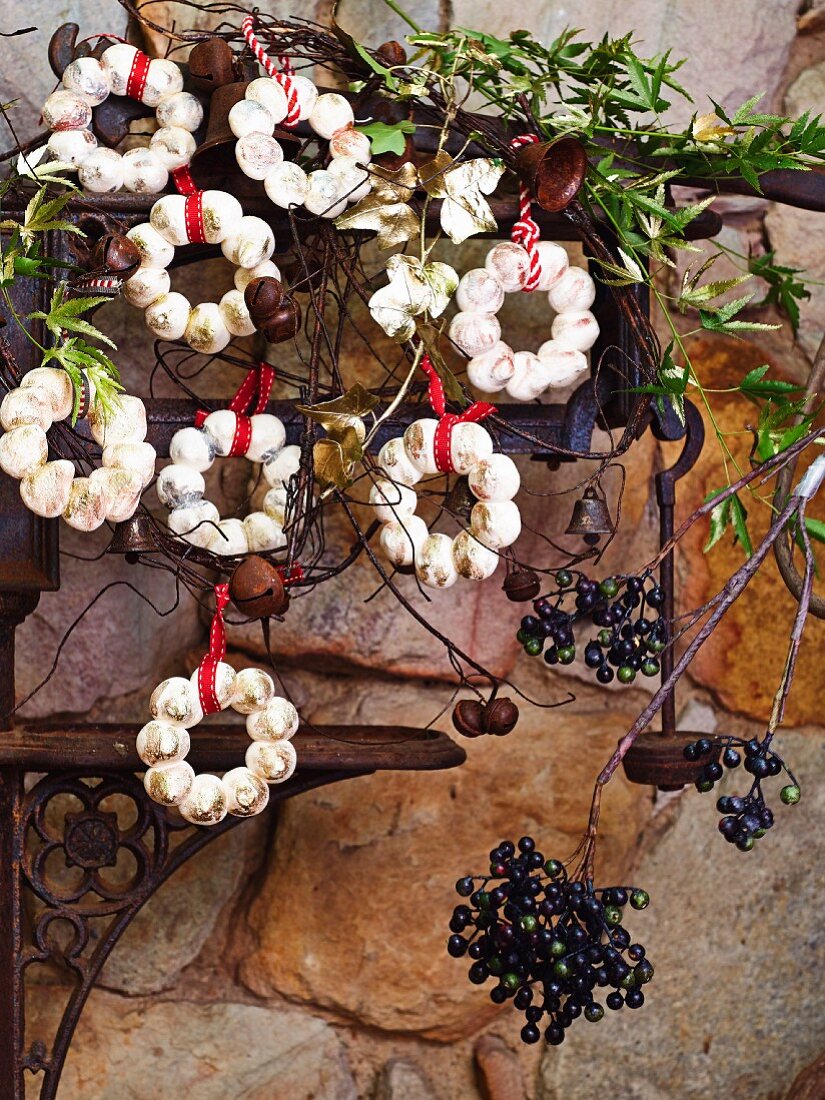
(789, 230)
(147, 1049)
(723, 62)
(742, 662)
(365, 937)
(735, 1007)
(402, 1079)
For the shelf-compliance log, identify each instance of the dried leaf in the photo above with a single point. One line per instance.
(395, 223)
(710, 128)
(343, 412)
(333, 459)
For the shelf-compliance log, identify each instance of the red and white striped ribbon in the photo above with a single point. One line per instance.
(208, 668)
(252, 398)
(182, 179)
(526, 232)
(136, 83)
(282, 76)
(442, 441)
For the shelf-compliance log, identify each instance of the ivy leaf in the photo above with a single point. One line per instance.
(386, 137)
(341, 413)
(719, 520)
(334, 459)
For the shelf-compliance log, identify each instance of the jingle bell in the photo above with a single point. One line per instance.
(590, 518)
(521, 585)
(256, 589)
(275, 314)
(211, 64)
(554, 171)
(133, 537)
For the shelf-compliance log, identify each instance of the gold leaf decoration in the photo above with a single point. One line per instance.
(414, 288)
(334, 459)
(465, 211)
(385, 209)
(342, 412)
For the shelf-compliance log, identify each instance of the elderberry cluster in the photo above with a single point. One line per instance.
(549, 942)
(628, 610)
(744, 819)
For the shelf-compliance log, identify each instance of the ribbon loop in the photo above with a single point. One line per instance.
(526, 231)
(283, 77)
(442, 440)
(136, 82)
(251, 398)
(208, 667)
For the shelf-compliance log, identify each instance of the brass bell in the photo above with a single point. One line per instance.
(590, 518)
(133, 537)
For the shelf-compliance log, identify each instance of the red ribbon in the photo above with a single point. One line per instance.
(136, 84)
(442, 442)
(251, 398)
(208, 668)
(526, 231)
(193, 218)
(182, 179)
(284, 78)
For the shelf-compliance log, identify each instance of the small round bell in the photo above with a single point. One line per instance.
(658, 759)
(591, 518)
(211, 64)
(553, 170)
(117, 255)
(275, 314)
(257, 590)
(521, 585)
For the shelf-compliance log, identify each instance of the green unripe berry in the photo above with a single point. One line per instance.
(655, 645)
(495, 964)
(511, 981)
(605, 638)
(522, 637)
(791, 794)
(593, 1012)
(561, 969)
(640, 899)
(534, 646)
(553, 868)
(628, 981)
(567, 654)
(704, 785)
(528, 923)
(609, 587)
(483, 899)
(626, 674)
(759, 834)
(612, 914)
(650, 668)
(564, 578)
(557, 948)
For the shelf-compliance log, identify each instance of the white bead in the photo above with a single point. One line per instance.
(224, 683)
(162, 78)
(270, 94)
(577, 330)
(479, 291)
(574, 291)
(124, 423)
(154, 250)
(263, 532)
(56, 384)
(146, 286)
(278, 721)
(102, 171)
(235, 314)
(195, 522)
(205, 331)
(221, 426)
(252, 244)
(72, 146)
(168, 316)
(286, 185)
(281, 467)
(349, 142)
(493, 369)
(401, 540)
(495, 478)
(564, 365)
(46, 491)
(29, 405)
(222, 215)
(176, 701)
(267, 437)
(65, 110)
(168, 217)
(139, 457)
(434, 565)
(419, 444)
(392, 502)
(247, 794)
(274, 506)
(162, 743)
(180, 109)
(23, 450)
(468, 445)
(88, 78)
(121, 491)
(192, 447)
(475, 333)
(228, 538)
(179, 486)
(274, 761)
(253, 690)
(117, 60)
(496, 525)
(473, 561)
(143, 172)
(331, 112)
(324, 194)
(395, 463)
(170, 784)
(207, 803)
(86, 507)
(307, 95)
(554, 264)
(529, 377)
(249, 117)
(257, 154)
(510, 264)
(244, 276)
(353, 180)
(174, 146)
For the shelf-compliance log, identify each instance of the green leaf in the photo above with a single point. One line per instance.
(719, 520)
(815, 528)
(386, 137)
(739, 516)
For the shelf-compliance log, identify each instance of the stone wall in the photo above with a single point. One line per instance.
(307, 961)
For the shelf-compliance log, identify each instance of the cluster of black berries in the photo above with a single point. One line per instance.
(549, 942)
(744, 820)
(628, 610)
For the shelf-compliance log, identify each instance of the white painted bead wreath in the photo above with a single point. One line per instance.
(180, 486)
(495, 522)
(178, 704)
(50, 489)
(475, 329)
(211, 217)
(122, 70)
